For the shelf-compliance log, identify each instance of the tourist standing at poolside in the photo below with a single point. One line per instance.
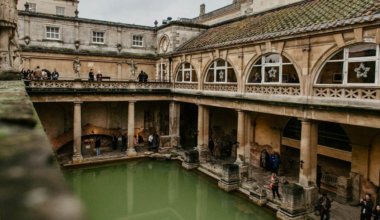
(211, 146)
(376, 213)
(274, 184)
(124, 141)
(324, 205)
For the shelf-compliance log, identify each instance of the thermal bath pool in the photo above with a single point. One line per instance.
(157, 190)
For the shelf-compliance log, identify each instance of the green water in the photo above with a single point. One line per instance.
(154, 190)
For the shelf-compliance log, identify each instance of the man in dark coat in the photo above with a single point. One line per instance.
(367, 205)
(211, 146)
(324, 205)
(123, 142)
(376, 213)
(97, 146)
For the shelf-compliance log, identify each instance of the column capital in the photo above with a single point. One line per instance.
(304, 120)
(133, 101)
(78, 102)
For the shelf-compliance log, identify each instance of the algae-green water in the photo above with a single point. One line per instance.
(157, 190)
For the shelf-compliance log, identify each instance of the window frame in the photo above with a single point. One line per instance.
(182, 69)
(32, 7)
(346, 60)
(216, 68)
(57, 8)
(138, 41)
(54, 33)
(263, 65)
(97, 37)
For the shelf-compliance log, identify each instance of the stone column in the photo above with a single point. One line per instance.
(201, 136)
(206, 127)
(131, 129)
(77, 133)
(174, 123)
(240, 136)
(308, 152)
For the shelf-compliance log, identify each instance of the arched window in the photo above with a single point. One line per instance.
(356, 64)
(273, 68)
(221, 71)
(186, 73)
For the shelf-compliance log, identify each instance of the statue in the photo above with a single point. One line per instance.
(133, 69)
(9, 55)
(76, 67)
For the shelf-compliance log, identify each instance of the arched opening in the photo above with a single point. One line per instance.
(273, 68)
(221, 71)
(186, 73)
(353, 65)
(334, 152)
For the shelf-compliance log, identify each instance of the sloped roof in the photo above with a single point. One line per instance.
(305, 16)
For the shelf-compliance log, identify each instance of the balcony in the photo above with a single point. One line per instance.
(359, 93)
(293, 90)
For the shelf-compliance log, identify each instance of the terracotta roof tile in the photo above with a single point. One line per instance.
(306, 16)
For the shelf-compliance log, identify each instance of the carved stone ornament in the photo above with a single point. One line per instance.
(272, 73)
(362, 71)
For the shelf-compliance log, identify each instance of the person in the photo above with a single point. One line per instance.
(55, 75)
(150, 142)
(324, 205)
(114, 142)
(211, 146)
(37, 73)
(367, 205)
(376, 213)
(91, 76)
(120, 142)
(97, 146)
(99, 76)
(263, 159)
(140, 139)
(274, 184)
(276, 161)
(135, 140)
(156, 142)
(141, 76)
(145, 78)
(124, 141)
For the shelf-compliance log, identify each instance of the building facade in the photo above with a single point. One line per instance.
(301, 80)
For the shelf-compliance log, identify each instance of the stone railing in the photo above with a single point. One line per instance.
(329, 182)
(70, 84)
(193, 86)
(225, 87)
(367, 93)
(273, 89)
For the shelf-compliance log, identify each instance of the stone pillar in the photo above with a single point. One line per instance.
(174, 124)
(200, 143)
(313, 152)
(206, 127)
(77, 133)
(305, 153)
(230, 178)
(293, 206)
(240, 136)
(131, 129)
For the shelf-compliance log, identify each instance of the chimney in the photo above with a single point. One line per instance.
(202, 9)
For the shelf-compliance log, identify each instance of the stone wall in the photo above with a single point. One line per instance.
(49, 7)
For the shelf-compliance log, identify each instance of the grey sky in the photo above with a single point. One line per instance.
(144, 12)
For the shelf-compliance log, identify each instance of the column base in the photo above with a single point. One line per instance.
(131, 152)
(228, 186)
(284, 215)
(189, 166)
(77, 159)
(258, 195)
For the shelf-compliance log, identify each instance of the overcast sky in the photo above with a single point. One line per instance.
(144, 12)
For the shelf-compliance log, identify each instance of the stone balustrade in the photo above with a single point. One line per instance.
(364, 93)
(273, 89)
(192, 86)
(222, 87)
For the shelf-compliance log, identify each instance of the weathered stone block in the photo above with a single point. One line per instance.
(230, 177)
(258, 195)
(293, 205)
(191, 160)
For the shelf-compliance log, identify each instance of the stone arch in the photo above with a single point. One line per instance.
(178, 67)
(253, 60)
(330, 52)
(208, 65)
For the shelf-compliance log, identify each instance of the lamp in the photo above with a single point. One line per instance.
(119, 47)
(27, 40)
(77, 44)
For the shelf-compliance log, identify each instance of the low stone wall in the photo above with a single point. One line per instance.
(31, 183)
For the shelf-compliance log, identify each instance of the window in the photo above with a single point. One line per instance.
(137, 41)
(52, 33)
(98, 37)
(186, 73)
(60, 10)
(352, 65)
(32, 7)
(221, 72)
(273, 68)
